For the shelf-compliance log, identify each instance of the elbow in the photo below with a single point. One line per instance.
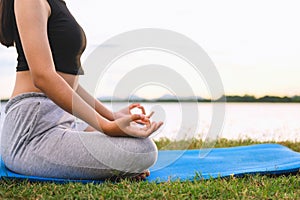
(40, 84)
(41, 81)
(38, 81)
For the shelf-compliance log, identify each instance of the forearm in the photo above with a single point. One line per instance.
(94, 103)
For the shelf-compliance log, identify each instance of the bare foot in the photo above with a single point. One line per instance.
(142, 176)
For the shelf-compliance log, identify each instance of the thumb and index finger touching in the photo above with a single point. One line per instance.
(137, 105)
(142, 118)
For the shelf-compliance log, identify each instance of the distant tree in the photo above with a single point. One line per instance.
(296, 99)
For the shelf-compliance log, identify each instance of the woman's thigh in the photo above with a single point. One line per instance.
(85, 155)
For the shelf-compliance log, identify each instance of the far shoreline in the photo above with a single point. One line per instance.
(226, 99)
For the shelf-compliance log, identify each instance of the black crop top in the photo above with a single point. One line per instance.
(66, 37)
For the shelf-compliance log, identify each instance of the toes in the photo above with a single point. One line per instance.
(147, 173)
(142, 176)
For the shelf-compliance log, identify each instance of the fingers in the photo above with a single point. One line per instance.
(145, 131)
(149, 128)
(140, 118)
(134, 105)
(154, 127)
(158, 125)
(150, 115)
(144, 120)
(137, 105)
(142, 109)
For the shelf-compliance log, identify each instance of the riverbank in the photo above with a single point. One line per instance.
(198, 144)
(227, 98)
(248, 187)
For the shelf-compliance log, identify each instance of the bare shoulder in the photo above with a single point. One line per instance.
(32, 19)
(40, 7)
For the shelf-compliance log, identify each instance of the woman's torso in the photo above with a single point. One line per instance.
(24, 83)
(67, 41)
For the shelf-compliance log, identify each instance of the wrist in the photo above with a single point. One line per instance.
(111, 116)
(106, 126)
(116, 115)
(101, 123)
(111, 128)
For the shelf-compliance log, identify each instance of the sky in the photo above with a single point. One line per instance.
(255, 45)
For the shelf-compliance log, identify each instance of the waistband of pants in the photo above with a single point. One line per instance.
(21, 97)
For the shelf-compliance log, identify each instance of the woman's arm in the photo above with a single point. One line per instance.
(99, 107)
(105, 112)
(31, 18)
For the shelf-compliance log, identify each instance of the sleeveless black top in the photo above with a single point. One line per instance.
(66, 37)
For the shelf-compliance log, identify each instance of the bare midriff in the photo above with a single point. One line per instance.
(24, 82)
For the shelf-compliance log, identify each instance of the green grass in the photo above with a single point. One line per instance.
(248, 187)
(196, 144)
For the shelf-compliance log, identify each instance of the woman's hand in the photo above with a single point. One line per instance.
(127, 111)
(123, 126)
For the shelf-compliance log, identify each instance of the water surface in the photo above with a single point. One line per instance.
(257, 121)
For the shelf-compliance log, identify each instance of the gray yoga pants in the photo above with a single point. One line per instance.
(41, 139)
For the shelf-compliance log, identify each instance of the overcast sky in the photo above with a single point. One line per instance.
(255, 45)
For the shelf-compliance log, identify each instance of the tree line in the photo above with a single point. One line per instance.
(267, 98)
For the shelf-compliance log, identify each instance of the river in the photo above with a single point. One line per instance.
(256, 121)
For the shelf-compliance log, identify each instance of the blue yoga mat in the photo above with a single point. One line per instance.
(220, 162)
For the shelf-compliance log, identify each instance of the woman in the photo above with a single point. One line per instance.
(40, 136)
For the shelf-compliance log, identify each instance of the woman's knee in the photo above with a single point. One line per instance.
(125, 154)
(140, 156)
(150, 151)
